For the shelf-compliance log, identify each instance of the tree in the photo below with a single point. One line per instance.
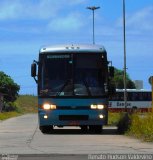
(8, 88)
(119, 80)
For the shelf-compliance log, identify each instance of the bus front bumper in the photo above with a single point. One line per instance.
(72, 118)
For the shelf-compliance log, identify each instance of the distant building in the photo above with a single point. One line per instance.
(138, 84)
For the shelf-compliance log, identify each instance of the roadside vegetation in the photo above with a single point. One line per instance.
(6, 115)
(138, 125)
(141, 126)
(113, 118)
(27, 103)
(23, 104)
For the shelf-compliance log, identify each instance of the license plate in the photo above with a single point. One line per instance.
(74, 123)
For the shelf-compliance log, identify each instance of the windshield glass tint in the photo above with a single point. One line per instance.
(56, 70)
(72, 75)
(88, 75)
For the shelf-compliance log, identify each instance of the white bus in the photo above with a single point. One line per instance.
(136, 99)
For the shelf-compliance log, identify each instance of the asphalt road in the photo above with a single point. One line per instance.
(21, 135)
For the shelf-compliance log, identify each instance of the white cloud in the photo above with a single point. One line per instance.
(74, 2)
(142, 20)
(30, 9)
(68, 23)
(21, 9)
(139, 21)
(9, 11)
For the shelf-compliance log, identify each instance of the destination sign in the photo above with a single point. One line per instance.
(57, 56)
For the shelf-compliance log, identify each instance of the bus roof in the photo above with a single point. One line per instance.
(73, 48)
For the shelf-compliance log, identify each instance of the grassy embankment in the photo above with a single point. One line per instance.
(141, 126)
(136, 125)
(24, 104)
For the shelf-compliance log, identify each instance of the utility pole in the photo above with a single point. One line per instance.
(93, 8)
(151, 83)
(124, 37)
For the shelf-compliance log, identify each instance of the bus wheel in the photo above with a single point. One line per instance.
(84, 129)
(98, 129)
(95, 129)
(46, 129)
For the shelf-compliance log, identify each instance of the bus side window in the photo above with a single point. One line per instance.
(132, 96)
(141, 97)
(129, 96)
(135, 96)
(145, 96)
(148, 96)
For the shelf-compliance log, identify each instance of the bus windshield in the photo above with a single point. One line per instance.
(79, 74)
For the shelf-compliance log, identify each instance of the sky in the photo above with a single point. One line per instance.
(27, 25)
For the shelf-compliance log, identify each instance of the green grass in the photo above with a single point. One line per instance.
(139, 126)
(24, 104)
(7, 115)
(113, 118)
(142, 126)
(27, 103)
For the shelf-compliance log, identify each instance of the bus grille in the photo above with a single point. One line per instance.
(73, 117)
(73, 107)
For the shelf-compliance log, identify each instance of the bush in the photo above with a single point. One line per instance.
(8, 88)
(124, 123)
(24, 104)
(12, 106)
(27, 103)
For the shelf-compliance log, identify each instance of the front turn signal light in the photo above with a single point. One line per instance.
(98, 106)
(52, 106)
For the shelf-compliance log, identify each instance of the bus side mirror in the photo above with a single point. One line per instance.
(111, 71)
(33, 70)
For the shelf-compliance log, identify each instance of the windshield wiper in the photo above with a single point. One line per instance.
(63, 87)
(87, 87)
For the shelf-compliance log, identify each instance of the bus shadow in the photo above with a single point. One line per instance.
(68, 131)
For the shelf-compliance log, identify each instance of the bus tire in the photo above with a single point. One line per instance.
(95, 129)
(98, 129)
(84, 129)
(46, 129)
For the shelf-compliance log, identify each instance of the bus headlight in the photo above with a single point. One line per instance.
(98, 106)
(47, 106)
(93, 106)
